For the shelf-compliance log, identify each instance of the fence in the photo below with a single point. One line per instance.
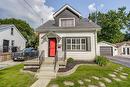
(25, 55)
(9, 49)
(5, 56)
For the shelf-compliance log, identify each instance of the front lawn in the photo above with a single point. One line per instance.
(12, 77)
(87, 71)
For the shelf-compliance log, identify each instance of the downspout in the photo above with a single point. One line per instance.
(95, 35)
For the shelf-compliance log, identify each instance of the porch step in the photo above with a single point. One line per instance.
(31, 64)
(49, 60)
(47, 68)
(29, 67)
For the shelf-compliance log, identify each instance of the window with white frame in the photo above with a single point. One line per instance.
(78, 44)
(67, 22)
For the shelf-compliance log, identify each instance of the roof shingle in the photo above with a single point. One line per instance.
(84, 24)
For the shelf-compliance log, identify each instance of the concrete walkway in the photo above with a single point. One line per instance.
(41, 83)
(6, 64)
(45, 74)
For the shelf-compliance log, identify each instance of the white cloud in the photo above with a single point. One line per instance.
(92, 7)
(101, 5)
(19, 9)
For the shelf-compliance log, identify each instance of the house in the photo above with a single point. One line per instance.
(68, 35)
(123, 48)
(106, 49)
(11, 39)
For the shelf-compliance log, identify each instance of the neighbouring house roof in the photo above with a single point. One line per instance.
(122, 43)
(4, 26)
(64, 7)
(84, 25)
(8, 26)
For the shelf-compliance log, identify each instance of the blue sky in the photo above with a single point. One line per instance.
(82, 5)
(45, 8)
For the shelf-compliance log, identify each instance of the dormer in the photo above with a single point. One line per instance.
(67, 17)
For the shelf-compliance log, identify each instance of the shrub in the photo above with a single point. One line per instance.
(101, 60)
(70, 60)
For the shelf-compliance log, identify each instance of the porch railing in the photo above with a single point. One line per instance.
(41, 57)
(55, 60)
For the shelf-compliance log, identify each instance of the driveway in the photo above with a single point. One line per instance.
(120, 59)
(9, 63)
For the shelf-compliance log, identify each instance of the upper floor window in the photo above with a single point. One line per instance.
(67, 22)
(12, 43)
(12, 31)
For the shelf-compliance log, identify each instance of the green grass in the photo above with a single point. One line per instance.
(86, 71)
(12, 77)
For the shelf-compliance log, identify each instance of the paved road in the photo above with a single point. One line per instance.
(121, 60)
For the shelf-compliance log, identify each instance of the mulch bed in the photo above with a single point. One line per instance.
(69, 66)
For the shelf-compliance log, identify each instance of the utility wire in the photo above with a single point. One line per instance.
(33, 10)
(25, 7)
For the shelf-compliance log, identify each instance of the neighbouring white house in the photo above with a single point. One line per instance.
(11, 39)
(106, 49)
(68, 35)
(123, 48)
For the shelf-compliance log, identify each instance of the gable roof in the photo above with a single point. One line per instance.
(107, 43)
(4, 26)
(64, 7)
(122, 43)
(8, 26)
(84, 25)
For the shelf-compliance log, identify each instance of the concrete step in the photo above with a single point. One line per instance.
(47, 65)
(47, 68)
(49, 60)
(28, 67)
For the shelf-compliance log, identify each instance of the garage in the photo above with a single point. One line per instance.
(106, 50)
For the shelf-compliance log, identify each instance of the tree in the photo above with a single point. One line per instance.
(111, 22)
(24, 28)
(127, 36)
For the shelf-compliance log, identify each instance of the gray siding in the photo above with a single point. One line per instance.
(66, 14)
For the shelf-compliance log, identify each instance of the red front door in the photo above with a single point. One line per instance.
(52, 47)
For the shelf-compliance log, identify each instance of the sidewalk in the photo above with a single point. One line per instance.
(7, 64)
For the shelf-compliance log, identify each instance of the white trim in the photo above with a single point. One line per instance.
(66, 18)
(55, 14)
